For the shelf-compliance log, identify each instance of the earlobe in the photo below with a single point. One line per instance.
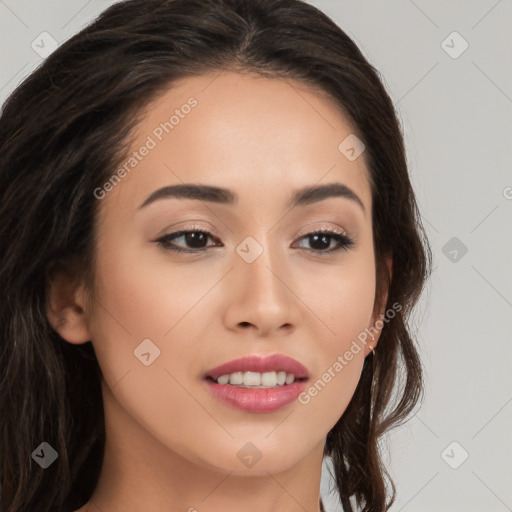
(65, 308)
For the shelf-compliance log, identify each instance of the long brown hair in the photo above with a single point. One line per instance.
(62, 133)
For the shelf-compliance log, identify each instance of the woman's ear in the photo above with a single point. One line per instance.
(380, 306)
(66, 306)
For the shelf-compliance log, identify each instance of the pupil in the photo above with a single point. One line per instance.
(323, 238)
(191, 237)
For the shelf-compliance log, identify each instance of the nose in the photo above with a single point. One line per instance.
(262, 298)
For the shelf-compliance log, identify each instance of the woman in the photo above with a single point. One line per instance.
(207, 228)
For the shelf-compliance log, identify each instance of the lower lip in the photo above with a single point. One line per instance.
(257, 400)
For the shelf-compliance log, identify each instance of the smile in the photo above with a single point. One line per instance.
(258, 384)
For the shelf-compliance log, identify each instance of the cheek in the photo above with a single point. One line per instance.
(345, 308)
(140, 297)
(144, 293)
(340, 357)
(341, 297)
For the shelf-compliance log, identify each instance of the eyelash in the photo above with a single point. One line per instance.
(344, 241)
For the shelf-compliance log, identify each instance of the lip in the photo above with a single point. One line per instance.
(258, 400)
(261, 364)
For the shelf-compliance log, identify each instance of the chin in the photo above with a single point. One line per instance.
(255, 458)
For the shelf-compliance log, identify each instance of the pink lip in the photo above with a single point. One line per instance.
(273, 363)
(254, 399)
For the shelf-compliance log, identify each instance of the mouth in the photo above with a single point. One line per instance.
(257, 384)
(259, 372)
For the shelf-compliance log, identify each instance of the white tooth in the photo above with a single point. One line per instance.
(252, 379)
(269, 379)
(281, 378)
(236, 378)
(256, 379)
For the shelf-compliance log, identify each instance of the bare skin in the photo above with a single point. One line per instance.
(171, 445)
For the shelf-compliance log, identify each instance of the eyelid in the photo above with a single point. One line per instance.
(330, 229)
(177, 226)
(311, 230)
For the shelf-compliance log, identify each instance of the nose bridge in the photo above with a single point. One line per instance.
(259, 263)
(262, 298)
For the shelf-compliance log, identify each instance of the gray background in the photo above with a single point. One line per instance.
(455, 109)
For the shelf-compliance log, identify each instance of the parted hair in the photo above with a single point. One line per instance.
(66, 128)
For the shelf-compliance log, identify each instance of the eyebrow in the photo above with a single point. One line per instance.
(302, 197)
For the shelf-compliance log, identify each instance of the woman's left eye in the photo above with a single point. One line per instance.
(197, 238)
(324, 239)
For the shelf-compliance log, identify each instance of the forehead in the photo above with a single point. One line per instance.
(248, 133)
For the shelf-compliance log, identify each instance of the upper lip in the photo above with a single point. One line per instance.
(261, 364)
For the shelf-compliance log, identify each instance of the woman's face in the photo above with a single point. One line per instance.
(254, 285)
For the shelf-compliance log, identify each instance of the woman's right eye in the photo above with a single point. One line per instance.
(192, 237)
